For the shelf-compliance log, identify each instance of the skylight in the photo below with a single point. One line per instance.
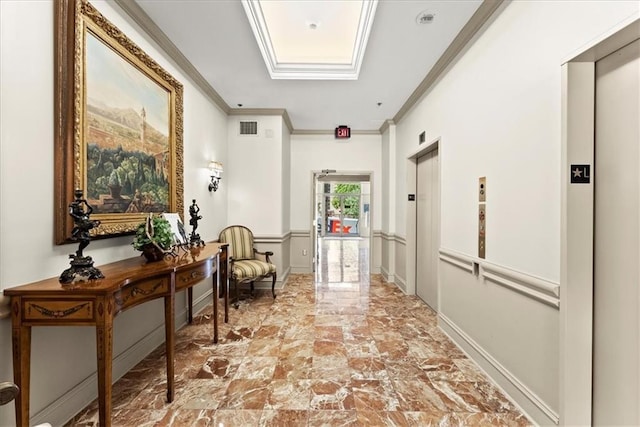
(311, 39)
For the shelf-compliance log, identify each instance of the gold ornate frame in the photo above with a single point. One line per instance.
(73, 18)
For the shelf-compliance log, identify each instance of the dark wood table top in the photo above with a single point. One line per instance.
(119, 273)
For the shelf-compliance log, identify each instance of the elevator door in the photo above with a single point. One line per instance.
(616, 352)
(427, 228)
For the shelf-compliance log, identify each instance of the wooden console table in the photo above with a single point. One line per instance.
(127, 283)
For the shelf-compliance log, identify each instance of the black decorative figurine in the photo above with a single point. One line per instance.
(194, 238)
(82, 268)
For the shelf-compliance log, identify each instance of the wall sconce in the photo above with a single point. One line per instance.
(215, 170)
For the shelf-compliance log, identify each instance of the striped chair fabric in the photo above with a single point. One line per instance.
(246, 263)
(251, 268)
(240, 240)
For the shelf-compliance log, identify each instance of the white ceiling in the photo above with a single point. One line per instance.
(216, 37)
(311, 39)
(293, 26)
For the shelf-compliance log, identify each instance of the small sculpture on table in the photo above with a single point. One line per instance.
(82, 268)
(194, 238)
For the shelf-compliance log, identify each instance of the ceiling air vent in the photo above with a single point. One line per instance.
(248, 128)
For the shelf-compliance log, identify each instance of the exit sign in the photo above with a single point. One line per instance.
(342, 132)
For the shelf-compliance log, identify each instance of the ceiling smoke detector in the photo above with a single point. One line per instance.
(425, 17)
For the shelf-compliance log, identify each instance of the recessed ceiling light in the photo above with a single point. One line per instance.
(425, 17)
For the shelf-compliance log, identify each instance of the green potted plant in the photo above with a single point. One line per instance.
(154, 238)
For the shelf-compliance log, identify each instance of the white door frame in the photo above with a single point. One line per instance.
(412, 247)
(314, 176)
(577, 222)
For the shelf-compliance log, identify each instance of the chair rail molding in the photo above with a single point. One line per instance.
(272, 238)
(539, 289)
(458, 259)
(533, 287)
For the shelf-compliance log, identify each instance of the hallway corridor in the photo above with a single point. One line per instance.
(346, 349)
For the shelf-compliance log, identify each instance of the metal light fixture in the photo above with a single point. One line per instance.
(215, 170)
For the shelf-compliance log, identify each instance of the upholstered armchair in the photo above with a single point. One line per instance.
(246, 263)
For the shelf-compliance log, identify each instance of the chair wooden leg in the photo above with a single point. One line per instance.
(273, 286)
(252, 288)
(237, 304)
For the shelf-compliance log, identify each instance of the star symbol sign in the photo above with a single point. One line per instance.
(577, 173)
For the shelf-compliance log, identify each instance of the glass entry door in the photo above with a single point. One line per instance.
(343, 215)
(339, 210)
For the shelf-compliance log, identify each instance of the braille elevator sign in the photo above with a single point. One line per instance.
(580, 174)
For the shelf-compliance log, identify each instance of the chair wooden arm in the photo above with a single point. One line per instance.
(263, 256)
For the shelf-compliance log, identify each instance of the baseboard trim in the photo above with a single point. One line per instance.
(521, 395)
(388, 277)
(199, 304)
(401, 283)
(61, 410)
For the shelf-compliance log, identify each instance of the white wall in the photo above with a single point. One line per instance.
(286, 248)
(286, 179)
(497, 111)
(388, 244)
(361, 153)
(309, 153)
(388, 153)
(255, 175)
(63, 357)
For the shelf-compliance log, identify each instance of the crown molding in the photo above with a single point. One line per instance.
(145, 22)
(462, 40)
(464, 37)
(385, 126)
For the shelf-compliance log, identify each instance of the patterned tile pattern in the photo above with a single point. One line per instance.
(340, 349)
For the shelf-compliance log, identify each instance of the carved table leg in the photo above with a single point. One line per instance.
(21, 337)
(190, 304)
(104, 338)
(169, 327)
(225, 286)
(215, 282)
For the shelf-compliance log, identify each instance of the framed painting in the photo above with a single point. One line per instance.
(119, 126)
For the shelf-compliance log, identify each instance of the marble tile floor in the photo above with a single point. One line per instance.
(324, 353)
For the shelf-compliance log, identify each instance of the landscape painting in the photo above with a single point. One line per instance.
(119, 126)
(126, 135)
